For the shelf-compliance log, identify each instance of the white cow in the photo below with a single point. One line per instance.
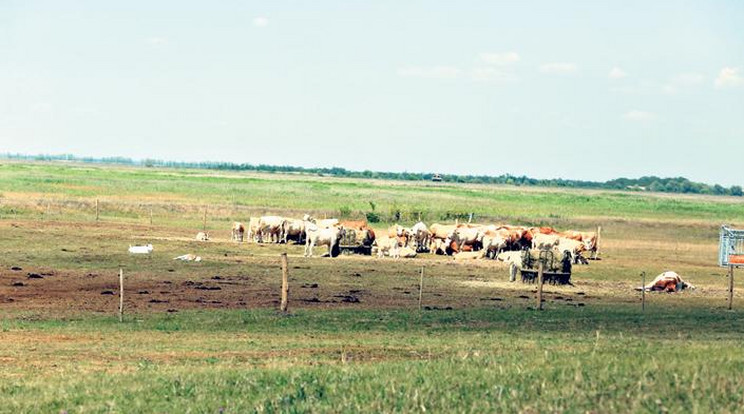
(322, 223)
(494, 242)
(574, 247)
(271, 227)
(253, 228)
(202, 236)
(545, 241)
(389, 246)
(419, 235)
(295, 229)
(146, 249)
(318, 236)
(238, 231)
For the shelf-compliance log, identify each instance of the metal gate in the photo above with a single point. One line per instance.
(731, 247)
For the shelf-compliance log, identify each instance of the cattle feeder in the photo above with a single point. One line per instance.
(556, 272)
(731, 255)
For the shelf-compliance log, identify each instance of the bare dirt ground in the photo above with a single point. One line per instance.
(62, 267)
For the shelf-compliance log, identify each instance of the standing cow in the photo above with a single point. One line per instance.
(319, 236)
(238, 231)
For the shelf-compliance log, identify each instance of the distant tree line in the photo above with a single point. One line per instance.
(650, 183)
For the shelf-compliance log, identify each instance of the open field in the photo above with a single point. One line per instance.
(205, 336)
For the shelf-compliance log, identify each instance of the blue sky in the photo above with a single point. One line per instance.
(583, 89)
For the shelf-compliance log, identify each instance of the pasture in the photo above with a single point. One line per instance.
(206, 337)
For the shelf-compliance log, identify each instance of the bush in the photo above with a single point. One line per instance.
(372, 217)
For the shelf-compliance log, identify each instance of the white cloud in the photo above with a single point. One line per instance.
(617, 73)
(433, 72)
(157, 41)
(260, 21)
(499, 58)
(489, 74)
(558, 68)
(729, 77)
(639, 116)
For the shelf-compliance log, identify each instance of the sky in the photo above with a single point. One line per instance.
(589, 90)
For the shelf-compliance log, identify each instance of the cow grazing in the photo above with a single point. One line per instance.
(399, 232)
(294, 229)
(588, 238)
(319, 236)
(388, 246)
(667, 282)
(253, 229)
(202, 236)
(466, 238)
(575, 249)
(146, 249)
(494, 242)
(438, 234)
(271, 228)
(238, 231)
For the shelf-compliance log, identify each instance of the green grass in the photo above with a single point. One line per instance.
(379, 355)
(574, 359)
(128, 192)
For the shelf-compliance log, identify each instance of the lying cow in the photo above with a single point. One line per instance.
(667, 282)
(189, 258)
(146, 249)
(202, 236)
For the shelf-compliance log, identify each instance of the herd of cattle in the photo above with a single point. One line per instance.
(399, 241)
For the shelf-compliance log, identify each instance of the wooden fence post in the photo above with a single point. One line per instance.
(421, 287)
(599, 239)
(540, 270)
(204, 225)
(97, 209)
(731, 288)
(643, 291)
(121, 295)
(285, 283)
(151, 216)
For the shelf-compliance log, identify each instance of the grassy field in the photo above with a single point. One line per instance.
(205, 337)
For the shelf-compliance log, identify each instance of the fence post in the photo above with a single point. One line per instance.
(643, 291)
(421, 287)
(599, 239)
(540, 270)
(204, 224)
(731, 288)
(151, 216)
(121, 295)
(285, 283)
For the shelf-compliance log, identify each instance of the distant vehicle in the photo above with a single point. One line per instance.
(437, 178)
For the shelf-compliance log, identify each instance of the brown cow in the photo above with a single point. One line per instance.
(667, 282)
